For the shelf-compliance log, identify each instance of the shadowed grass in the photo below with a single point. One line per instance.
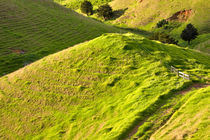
(32, 29)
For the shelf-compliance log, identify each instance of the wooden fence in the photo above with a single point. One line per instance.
(180, 74)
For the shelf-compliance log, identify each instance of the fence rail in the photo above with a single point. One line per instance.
(172, 68)
(179, 73)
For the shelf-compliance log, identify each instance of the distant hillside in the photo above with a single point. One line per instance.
(149, 12)
(31, 29)
(145, 14)
(102, 89)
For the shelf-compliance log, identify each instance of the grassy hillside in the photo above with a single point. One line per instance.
(31, 29)
(195, 114)
(139, 13)
(100, 89)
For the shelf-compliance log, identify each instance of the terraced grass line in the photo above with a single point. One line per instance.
(40, 28)
(173, 103)
(194, 112)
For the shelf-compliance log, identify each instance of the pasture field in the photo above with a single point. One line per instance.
(32, 29)
(101, 89)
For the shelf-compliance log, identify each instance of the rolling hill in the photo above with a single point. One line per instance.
(67, 76)
(116, 86)
(149, 12)
(144, 14)
(32, 29)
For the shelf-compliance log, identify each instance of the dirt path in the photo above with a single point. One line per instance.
(135, 129)
(195, 85)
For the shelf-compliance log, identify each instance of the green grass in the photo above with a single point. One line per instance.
(96, 90)
(161, 117)
(195, 115)
(103, 88)
(140, 15)
(201, 43)
(151, 11)
(40, 28)
(147, 13)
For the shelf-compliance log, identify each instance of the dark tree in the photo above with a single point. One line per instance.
(162, 23)
(189, 33)
(87, 8)
(105, 11)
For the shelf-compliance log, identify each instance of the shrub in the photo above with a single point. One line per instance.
(164, 38)
(189, 33)
(87, 8)
(171, 26)
(161, 23)
(105, 11)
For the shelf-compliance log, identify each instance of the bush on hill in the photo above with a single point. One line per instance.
(171, 26)
(87, 8)
(189, 33)
(162, 23)
(105, 11)
(164, 38)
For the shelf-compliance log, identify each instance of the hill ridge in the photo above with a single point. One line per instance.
(97, 89)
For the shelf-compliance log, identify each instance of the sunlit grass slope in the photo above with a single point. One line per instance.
(96, 90)
(149, 12)
(191, 121)
(31, 29)
(145, 14)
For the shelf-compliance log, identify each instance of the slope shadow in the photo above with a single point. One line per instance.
(136, 31)
(118, 13)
